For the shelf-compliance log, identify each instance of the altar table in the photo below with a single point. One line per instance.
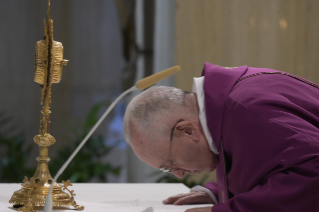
(113, 197)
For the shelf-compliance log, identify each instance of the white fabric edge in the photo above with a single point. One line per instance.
(198, 88)
(206, 190)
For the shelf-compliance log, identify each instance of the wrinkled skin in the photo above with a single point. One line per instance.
(194, 197)
(204, 209)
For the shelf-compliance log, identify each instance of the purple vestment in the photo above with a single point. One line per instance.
(266, 131)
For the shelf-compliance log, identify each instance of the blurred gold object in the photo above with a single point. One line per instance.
(48, 69)
(41, 62)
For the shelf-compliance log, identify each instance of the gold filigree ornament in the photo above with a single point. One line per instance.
(28, 203)
(66, 184)
(48, 69)
(229, 67)
(41, 62)
(44, 140)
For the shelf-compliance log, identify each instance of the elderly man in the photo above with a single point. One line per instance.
(257, 127)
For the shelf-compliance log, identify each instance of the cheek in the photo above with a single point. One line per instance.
(190, 159)
(194, 158)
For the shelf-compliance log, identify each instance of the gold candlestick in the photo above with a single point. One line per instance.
(48, 69)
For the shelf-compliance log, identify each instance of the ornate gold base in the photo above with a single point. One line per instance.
(32, 195)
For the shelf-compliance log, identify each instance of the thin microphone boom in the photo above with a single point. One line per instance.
(141, 84)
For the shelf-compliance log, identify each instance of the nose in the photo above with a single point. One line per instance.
(179, 173)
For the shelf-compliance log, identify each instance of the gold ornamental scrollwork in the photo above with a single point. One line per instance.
(66, 184)
(28, 202)
(44, 140)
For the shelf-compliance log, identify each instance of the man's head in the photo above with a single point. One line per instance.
(163, 128)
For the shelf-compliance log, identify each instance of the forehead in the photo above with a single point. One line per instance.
(153, 153)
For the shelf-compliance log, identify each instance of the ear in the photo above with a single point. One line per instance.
(188, 129)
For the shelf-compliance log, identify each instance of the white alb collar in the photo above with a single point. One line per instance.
(198, 88)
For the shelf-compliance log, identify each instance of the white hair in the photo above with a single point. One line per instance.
(153, 112)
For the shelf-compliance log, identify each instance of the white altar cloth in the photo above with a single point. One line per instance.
(113, 197)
